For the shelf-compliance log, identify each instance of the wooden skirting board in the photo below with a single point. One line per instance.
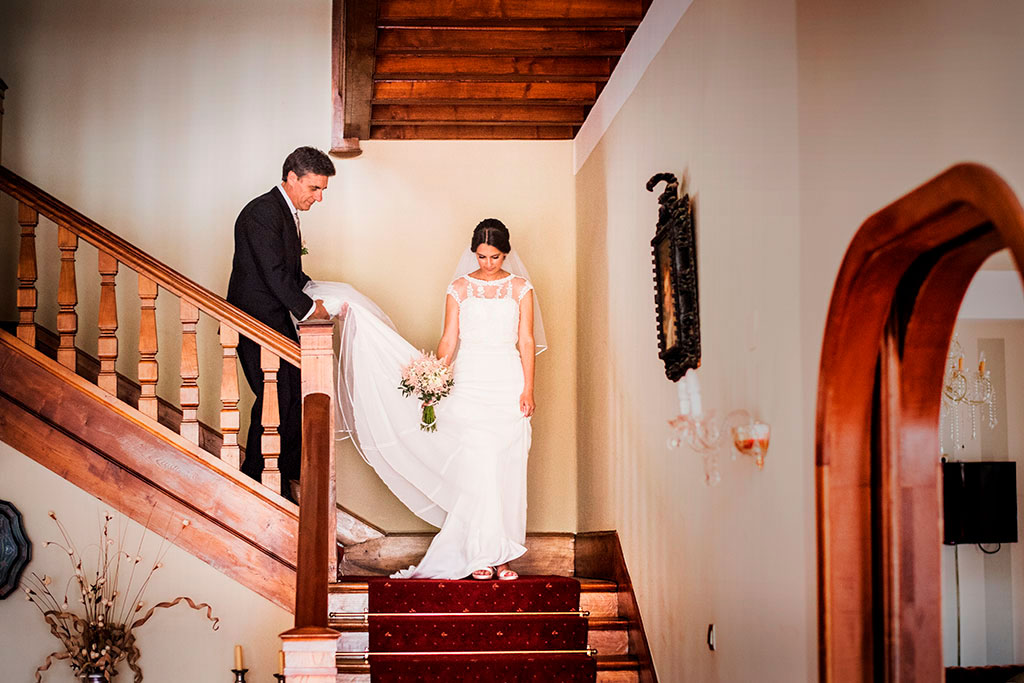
(599, 556)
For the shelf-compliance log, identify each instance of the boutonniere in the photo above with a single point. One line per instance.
(305, 251)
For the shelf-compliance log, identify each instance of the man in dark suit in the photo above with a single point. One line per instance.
(266, 282)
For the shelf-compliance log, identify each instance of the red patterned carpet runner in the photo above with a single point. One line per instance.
(440, 624)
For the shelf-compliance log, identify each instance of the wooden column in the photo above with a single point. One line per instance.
(107, 345)
(189, 395)
(229, 416)
(148, 368)
(27, 296)
(316, 339)
(67, 299)
(271, 443)
(310, 647)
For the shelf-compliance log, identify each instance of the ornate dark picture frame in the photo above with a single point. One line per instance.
(674, 251)
(15, 548)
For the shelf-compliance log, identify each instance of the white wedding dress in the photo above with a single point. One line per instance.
(468, 477)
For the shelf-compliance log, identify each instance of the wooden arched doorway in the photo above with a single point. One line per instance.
(889, 326)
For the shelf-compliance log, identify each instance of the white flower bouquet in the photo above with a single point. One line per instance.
(430, 379)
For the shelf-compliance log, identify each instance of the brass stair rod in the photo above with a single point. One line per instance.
(365, 656)
(364, 615)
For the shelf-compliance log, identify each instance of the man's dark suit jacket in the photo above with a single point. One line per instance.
(266, 274)
(266, 282)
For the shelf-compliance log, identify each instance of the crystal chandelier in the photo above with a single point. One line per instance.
(965, 391)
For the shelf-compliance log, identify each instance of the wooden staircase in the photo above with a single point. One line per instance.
(113, 437)
(608, 631)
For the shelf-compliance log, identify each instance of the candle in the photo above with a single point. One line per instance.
(280, 661)
(238, 657)
(693, 384)
(981, 365)
(684, 397)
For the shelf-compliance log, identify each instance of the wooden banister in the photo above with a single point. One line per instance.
(230, 453)
(27, 297)
(67, 299)
(107, 323)
(149, 371)
(310, 647)
(146, 266)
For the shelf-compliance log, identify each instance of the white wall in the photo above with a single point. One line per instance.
(793, 122)
(177, 643)
(890, 95)
(717, 106)
(160, 120)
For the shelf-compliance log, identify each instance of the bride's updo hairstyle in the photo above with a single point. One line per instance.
(493, 232)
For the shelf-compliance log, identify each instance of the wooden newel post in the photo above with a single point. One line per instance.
(311, 646)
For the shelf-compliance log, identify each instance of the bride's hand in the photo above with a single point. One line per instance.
(526, 404)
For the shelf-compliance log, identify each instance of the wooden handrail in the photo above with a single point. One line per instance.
(148, 267)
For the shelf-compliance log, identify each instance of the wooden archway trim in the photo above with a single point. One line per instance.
(889, 324)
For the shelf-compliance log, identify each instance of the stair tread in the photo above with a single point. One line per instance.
(358, 584)
(604, 663)
(593, 623)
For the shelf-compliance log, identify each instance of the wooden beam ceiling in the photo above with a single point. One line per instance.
(473, 69)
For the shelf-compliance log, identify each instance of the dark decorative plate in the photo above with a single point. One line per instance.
(15, 548)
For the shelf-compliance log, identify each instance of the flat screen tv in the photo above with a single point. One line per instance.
(979, 502)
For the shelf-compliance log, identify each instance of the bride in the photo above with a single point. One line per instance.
(468, 477)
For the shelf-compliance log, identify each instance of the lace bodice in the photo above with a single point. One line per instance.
(489, 311)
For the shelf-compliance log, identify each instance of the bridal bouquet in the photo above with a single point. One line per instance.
(97, 630)
(430, 379)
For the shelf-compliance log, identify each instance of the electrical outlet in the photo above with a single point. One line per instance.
(711, 637)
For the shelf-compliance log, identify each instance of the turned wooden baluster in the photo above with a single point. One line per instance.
(28, 218)
(189, 395)
(271, 442)
(148, 368)
(107, 345)
(67, 299)
(229, 415)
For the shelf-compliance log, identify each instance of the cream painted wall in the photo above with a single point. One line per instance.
(793, 122)
(177, 643)
(160, 120)
(890, 95)
(717, 106)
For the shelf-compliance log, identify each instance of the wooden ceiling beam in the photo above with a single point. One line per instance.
(491, 78)
(466, 114)
(354, 41)
(410, 92)
(513, 9)
(531, 42)
(402, 65)
(473, 132)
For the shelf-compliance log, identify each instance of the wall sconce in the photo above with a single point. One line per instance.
(705, 435)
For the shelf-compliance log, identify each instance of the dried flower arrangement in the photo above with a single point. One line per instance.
(103, 635)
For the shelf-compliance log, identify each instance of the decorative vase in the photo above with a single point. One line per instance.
(96, 678)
